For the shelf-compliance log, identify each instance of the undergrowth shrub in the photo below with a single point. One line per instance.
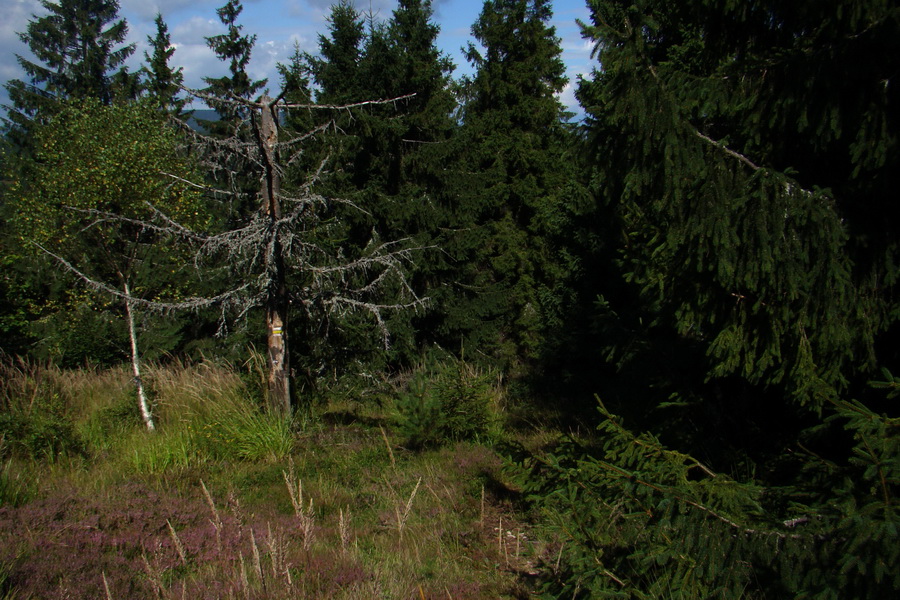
(446, 400)
(242, 431)
(207, 412)
(108, 426)
(47, 412)
(254, 377)
(172, 449)
(51, 435)
(34, 418)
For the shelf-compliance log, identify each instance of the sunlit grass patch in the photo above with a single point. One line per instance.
(16, 487)
(238, 431)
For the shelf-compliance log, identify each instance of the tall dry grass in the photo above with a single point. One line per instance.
(204, 412)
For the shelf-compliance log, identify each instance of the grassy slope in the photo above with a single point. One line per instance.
(224, 503)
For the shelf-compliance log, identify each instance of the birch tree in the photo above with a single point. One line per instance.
(86, 199)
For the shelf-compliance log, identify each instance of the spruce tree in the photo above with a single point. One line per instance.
(162, 82)
(395, 154)
(414, 157)
(337, 69)
(235, 49)
(524, 186)
(224, 95)
(637, 519)
(79, 53)
(411, 63)
(747, 153)
(338, 76)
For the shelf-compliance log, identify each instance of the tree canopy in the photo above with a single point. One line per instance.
(521, 184)
(80, 54)
(161, 81)
(753, 295)
(742, 152)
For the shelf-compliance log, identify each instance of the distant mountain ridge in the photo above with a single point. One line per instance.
(198, 116)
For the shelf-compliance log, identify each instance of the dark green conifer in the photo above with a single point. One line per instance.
(161, 81)
(235, 49)
(392, 158)
(414, 163)
(79, 55)
(415, 65)
(637, 519)
(337, 69)
(748, 152)
(745, 154)
(516, 147)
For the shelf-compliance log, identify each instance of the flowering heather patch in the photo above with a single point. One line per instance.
(139, 541)
(63, 546)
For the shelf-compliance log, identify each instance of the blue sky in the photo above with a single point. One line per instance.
(279, 25)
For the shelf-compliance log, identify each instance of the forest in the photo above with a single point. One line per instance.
(472, 346)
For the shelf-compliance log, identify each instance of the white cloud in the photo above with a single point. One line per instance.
(567, 96)
(303, 42)
(198, 61)
(196, 28)
(316, 12)
(384, 7)
(147, 10)
(17, 14)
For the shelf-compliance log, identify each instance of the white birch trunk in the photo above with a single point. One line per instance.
(136, 364)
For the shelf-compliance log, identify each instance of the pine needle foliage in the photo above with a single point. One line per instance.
(729, 144)
(402, 155)
(639, 520)
(235, 49)
(512, 222)
(161, 81)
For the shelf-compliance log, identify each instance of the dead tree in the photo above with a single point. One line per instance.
(277, 238)
(276, 302)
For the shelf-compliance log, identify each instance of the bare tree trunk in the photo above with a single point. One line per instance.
(276, 300)
(136, 363)
(279, 371)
